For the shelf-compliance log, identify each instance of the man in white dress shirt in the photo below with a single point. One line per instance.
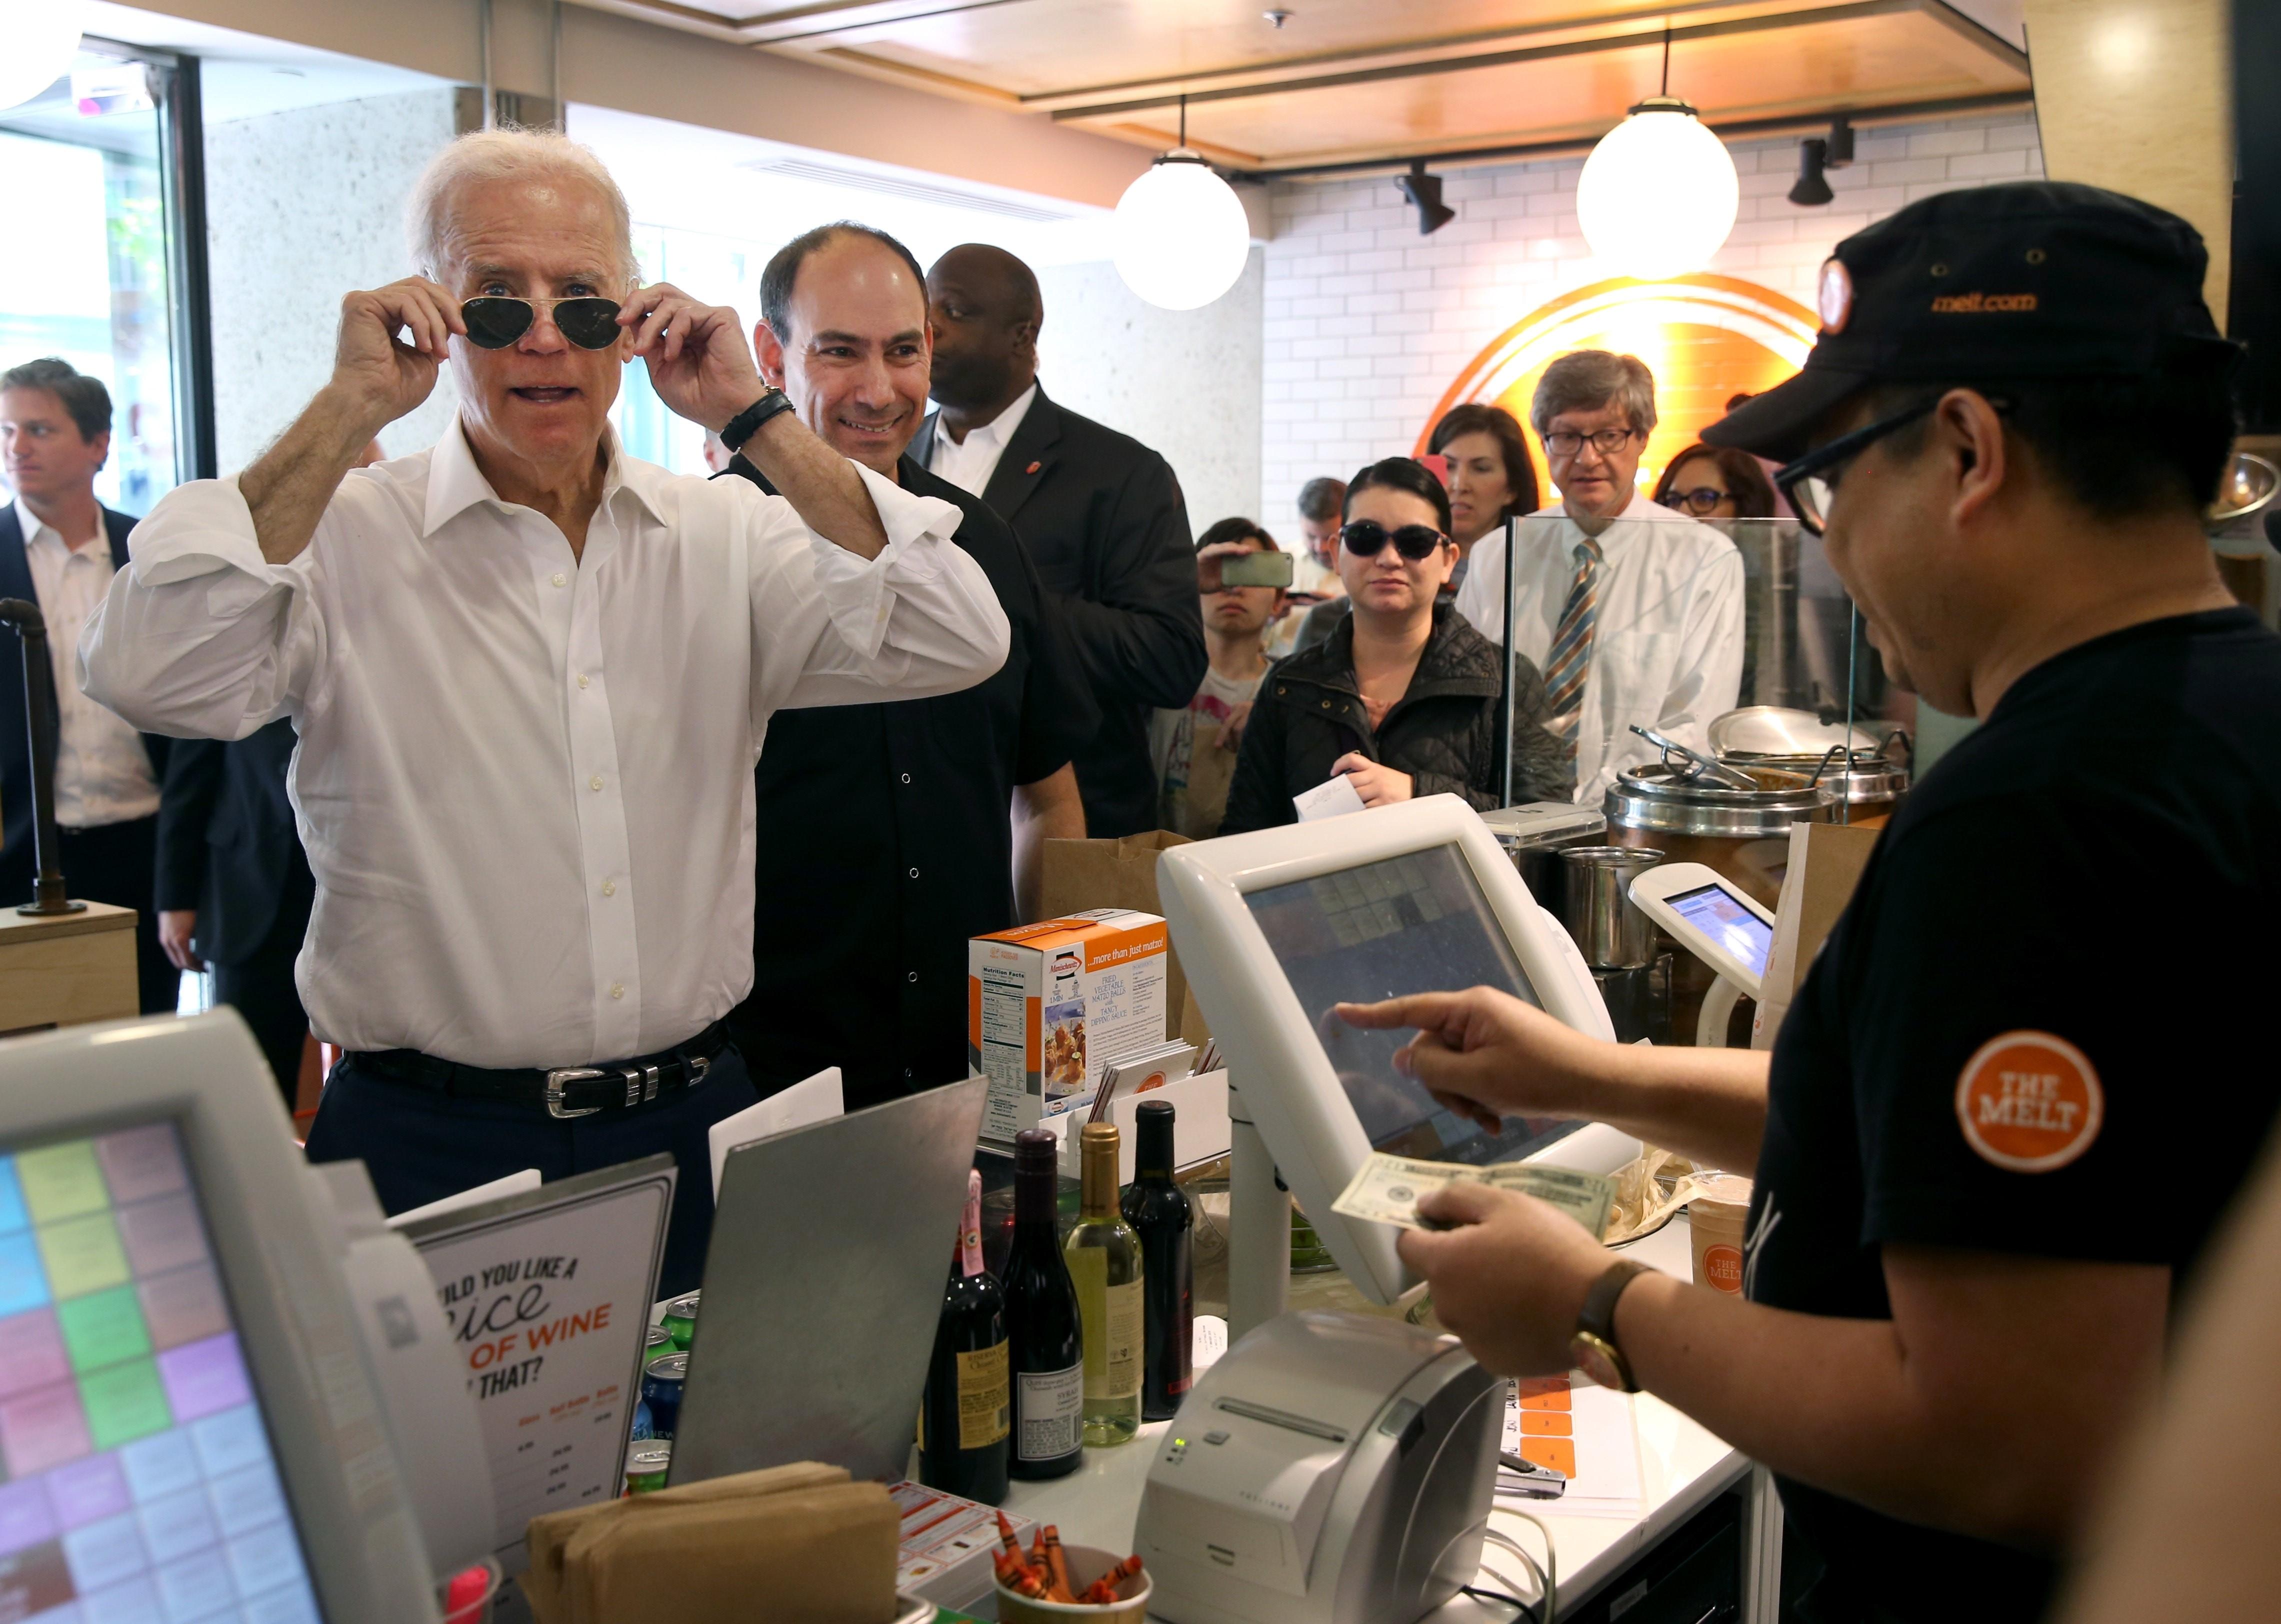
(1633, 613)
(532, 677)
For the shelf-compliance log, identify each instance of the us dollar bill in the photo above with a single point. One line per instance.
(1385, 1189)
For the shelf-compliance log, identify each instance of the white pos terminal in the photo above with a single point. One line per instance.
(199, 1339)
(1718, 924)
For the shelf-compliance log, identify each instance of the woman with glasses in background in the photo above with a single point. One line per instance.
(1402, 700)
(1716, 482)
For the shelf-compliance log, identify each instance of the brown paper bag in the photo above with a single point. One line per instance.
(1826, 861)
(1078, 875)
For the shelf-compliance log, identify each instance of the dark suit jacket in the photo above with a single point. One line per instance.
(1102, 516)
(15, 746)
(227, 846)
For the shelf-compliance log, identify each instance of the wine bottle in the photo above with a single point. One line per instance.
(1104, 1258)
(1160, 1215)
(1045, 1341)
(965, 1429)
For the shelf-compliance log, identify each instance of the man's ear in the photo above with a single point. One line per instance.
(101, 446)
(1969, 434)
(767, 350)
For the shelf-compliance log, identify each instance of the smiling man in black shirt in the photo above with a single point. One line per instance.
(885, 838)
(2024, 1076)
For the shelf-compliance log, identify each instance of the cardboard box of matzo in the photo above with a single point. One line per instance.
(1048, 1005)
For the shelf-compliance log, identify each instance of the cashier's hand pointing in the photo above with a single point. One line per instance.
(699, 362)
(1510, 1279)
(1486, 1055)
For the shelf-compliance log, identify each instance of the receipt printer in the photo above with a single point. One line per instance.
(1333, 1468)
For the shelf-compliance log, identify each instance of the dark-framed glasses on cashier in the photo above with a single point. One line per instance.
(1810, 483)
(1367, 538)
(1607, 442)
(495, 320)
(1702, 500)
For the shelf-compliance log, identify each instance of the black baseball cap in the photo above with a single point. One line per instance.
(2028, 280)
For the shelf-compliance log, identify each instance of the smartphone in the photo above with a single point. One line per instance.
(1244, 570)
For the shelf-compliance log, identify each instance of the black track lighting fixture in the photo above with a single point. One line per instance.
(1425, 191)
(1818, 154)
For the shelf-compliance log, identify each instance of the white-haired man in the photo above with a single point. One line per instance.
(1632, 612)
(531, 676)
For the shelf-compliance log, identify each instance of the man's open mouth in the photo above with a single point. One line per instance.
(545, 394)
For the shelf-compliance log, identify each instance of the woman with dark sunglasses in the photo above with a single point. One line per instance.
(1716, 482)
(1402, 699)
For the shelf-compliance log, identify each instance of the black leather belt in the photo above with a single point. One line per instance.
(566, 1091)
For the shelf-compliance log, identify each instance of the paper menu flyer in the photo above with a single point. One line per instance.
(942, 1534)
(547, 1294)
(1571, 1426)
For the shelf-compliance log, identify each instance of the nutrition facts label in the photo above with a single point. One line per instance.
(139, 1479)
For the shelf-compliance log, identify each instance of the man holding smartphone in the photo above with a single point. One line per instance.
(2017, 1090)
(1244, 579)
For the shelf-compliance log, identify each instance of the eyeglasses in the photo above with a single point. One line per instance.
(495, 321)
(1810, 483)
(1607, 442)
(1702, 501)
(1367, 538)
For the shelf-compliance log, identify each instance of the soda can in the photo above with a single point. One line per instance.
(662, 1379)
(681, 1320)
(646, 1465)
(660, 1342)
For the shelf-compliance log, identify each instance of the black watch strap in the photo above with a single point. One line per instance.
(748, 423)
(1596, 1324)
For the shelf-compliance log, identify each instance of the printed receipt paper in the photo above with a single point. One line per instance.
(1385, 1189)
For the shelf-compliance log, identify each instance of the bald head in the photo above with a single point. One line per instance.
(987, 312)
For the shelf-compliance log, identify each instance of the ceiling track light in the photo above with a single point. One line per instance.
(1423, 191)
(1816, 155)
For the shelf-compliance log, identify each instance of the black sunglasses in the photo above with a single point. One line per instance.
(1367, 538)
(495, 321)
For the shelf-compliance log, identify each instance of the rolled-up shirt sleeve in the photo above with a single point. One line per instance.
(200, 637)
(918, 620)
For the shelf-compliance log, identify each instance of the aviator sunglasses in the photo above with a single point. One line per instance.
(1367, 538)
(495, 321)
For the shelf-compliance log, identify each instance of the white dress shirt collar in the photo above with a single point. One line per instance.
(969, 463)
(455, 483)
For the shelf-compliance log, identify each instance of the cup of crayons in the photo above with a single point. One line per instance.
(1051, 1582)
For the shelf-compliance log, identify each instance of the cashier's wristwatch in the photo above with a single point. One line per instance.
(1593, 1347)
(748, 423)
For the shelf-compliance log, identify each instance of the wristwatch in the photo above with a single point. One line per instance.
(748, 423)
(1592, 1346)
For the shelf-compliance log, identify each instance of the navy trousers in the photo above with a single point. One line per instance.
(420, 1145)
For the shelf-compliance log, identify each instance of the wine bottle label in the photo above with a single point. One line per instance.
(1113, 1317)
(1052, 1412)
(983, 1399)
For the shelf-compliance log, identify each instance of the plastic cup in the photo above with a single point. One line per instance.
(468, 1596)
(1718, 1217)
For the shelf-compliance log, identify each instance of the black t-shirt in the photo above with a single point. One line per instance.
(884, 843)
(2037, 1029)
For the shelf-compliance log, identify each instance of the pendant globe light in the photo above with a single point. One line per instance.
(1179, 235)
(1658, 195)
(38, 39)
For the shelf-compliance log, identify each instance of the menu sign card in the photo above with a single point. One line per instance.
(548, 1296)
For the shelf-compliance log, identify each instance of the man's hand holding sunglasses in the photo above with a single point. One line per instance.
(392, 341)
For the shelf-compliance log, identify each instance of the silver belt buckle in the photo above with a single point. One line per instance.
(641, 1084)
(568, 1074)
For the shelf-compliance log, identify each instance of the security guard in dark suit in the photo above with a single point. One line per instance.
(234, 886)
(1100, 512)
(54, 435)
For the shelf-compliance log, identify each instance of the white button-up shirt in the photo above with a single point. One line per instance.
(1667, 653)
(525, 781)
(103, 773)
(969, 463)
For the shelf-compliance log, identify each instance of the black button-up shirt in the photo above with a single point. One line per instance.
(884, 842)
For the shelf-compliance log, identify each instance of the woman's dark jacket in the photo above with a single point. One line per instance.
(1442, 730)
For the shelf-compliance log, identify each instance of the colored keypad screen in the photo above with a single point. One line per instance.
(137, 1478)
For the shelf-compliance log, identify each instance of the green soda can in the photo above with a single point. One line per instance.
(660, 1340)
(681, 1320)
(646, 1465)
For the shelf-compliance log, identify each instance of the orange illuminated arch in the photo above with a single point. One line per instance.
(1706, 339)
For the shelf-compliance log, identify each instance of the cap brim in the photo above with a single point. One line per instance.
(1776, 425)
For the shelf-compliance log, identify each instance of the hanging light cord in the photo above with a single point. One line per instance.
(1667, 59)
(1184, 118)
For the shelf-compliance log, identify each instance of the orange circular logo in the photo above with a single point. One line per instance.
(2029, 1102)
(1723, 1266)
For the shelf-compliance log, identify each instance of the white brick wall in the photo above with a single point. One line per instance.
(1367, 322)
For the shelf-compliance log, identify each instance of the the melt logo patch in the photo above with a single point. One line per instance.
(2029, 1102)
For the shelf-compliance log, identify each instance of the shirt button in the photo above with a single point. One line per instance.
(617, 989)
(581, 679)
(910, 975)
(609, 887)
(907, 1071)
(915, 873)
(560, 579)
(907, 777)
(595, 782)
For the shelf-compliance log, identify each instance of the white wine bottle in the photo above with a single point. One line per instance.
(1104, 1259)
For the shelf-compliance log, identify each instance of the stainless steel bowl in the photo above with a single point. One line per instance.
(2250, 484)
(1659, 801)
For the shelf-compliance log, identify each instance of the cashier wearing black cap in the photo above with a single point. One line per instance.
(2028, 1070)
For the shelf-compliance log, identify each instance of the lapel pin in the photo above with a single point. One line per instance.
(1034, 468)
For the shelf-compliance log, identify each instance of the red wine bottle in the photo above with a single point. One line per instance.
(1044, 1334)
(965, 1430)
(1159, 1212)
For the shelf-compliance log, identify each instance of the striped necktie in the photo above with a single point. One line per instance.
(1571, 659)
